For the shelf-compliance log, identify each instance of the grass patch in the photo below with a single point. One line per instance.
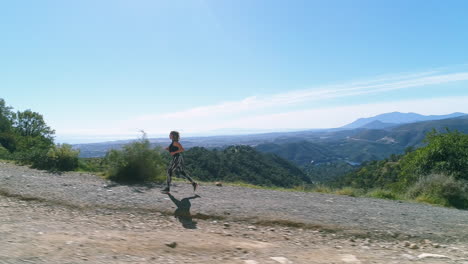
(322, 189)
(440, 189)
(349, 191)
(260, 187)
(383, 194)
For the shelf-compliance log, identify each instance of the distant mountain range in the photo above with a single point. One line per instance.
(365, 139)
(396, 118)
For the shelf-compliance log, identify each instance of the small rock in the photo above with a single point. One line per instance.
(426, 241)
(350, 259)
(436, 245)
(428, 255)
(406, 243)
(226, 225)
(172, 244)
(408, 256)
(252, 228)
(413, 246)
(281, 260)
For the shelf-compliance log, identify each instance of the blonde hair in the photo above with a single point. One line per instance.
(175, 135)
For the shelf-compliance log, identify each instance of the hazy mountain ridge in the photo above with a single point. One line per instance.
(369, 144)
(302, 147)
(399, 118)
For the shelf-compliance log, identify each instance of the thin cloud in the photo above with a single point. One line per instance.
(255, 103)
(331, 117)
(276, 111)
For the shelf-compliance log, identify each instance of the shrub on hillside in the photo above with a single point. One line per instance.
(62, 158)
(445, 153)
(91, 164)
(383, 194)
(59, 157)
(4, 153)
(440, 189)
(35, 156)
(8, 141)
(137, 162)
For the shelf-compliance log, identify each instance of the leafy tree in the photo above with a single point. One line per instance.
(32, 124)
(33, 137)
(5, 116)
(7, 138)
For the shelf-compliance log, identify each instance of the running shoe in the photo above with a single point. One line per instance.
(195, 186)
(165, 190)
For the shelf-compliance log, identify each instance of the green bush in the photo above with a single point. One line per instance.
(8, 141)
(137, 162)
(91, 164)
(36, 157)
(4, 153)
(57, 158)
(440, 189)
(62, 158)
(445, 153)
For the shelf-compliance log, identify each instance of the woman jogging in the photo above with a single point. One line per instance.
(177, 162)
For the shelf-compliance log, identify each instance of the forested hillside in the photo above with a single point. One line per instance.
(243, 164)
(360, 145)
(436, 173)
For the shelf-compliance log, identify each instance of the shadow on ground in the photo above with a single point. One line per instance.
(182, 213)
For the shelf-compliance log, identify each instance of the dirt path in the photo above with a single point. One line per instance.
(79, 218)
(36, 232)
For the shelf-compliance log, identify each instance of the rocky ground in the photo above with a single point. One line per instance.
(80, 218)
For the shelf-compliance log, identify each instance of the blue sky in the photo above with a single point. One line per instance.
(101, 70)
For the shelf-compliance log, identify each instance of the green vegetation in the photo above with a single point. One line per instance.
(137, 162)
(446, 153)
(26, 139)
(91, 165)
(4, 153)
(328, 171)
(301, 153)
(436, 173)
(440, 189)
(243, 164)
(383, 194)
(59, 158)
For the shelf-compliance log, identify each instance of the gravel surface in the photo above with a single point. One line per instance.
(44, 233)
(358, 216)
